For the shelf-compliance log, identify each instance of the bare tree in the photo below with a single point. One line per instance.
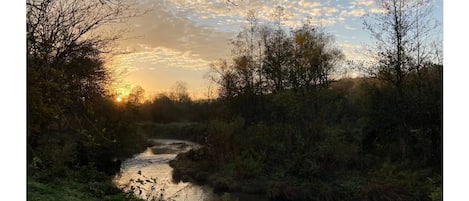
(56, 28)
(400, 32)
(225, 76)
(248, 55)
(423, 50)
(136, 95)
(179, 92)
(277, 52)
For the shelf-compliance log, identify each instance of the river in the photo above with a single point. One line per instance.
(150, 176)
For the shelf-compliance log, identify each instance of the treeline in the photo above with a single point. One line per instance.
(76, 134)
(176, 107)
(290, 131)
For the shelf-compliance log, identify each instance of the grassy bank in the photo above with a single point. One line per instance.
(84, 183)
(384, 184)
(74, 190)
(190, 166)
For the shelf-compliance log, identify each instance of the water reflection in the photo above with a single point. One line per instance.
(148, 174)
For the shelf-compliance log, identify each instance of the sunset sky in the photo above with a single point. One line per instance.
(179, 39)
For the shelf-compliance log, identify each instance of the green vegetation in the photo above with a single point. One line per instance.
(350, 150)
(290, 132)
(74, 188)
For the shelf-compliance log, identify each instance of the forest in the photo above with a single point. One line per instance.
(285, 124)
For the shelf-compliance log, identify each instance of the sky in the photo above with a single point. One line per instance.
(178, 40)
(13, 86)
(14, 108)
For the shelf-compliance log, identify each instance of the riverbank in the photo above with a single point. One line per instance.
(71, 172)
(192, 167)
(87, 185)
(346, 185)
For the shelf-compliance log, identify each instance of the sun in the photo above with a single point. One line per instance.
(119, 99)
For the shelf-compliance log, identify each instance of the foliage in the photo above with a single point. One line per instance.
(77, 135)
(174, 107)
(286, 125)
(267, 59)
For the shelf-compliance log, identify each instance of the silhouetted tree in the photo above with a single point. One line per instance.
(179, 92)
(316, 58)
(64, 46)
(136, 95)
(67, 83)
(399, 31)
(278, 52)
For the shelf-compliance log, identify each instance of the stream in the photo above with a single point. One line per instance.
(149, 175)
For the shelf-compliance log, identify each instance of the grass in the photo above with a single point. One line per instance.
(72, 190)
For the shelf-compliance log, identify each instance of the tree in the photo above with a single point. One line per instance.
(64, 47)
(136, 95)
(266, 59)
(246, 59)
(400, 31)
(55, 29)
(179, 92)
(315, 58)
(66, 77)
(224, 76)
(277, 52)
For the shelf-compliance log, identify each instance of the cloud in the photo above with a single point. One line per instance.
(330, 11)
(309, 4)
(177, 29)
(202, 11)
(350, 46)
(354, 51)
(150, 57)
(367, 3)
(357, 12)
(359, 8)
(165, 26)
(377, 10)
(349, 27)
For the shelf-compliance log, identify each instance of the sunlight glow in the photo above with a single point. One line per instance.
(119, 99)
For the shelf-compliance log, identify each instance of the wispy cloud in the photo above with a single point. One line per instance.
(356, 12)
(366, 2)
(309, 4)
(191, 34)
(169, 58)
(202, 11)
(353, 51)
(180, 38)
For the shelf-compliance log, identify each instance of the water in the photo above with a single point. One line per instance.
(150, 176)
